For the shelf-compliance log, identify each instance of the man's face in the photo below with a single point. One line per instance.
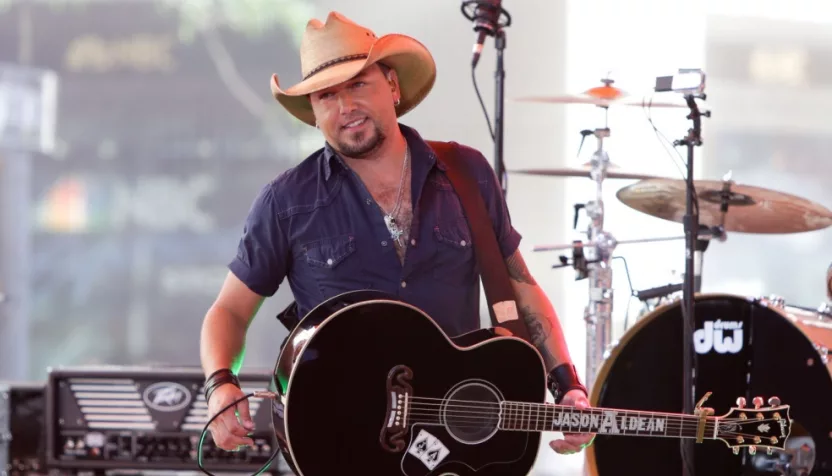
(357, 115)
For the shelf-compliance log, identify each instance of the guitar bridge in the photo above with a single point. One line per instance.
(399, 393)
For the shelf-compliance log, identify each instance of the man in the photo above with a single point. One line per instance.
(372, 209)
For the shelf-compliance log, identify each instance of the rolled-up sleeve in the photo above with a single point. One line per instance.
(262, 253)
(508, 238)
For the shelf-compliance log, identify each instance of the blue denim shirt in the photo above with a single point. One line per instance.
(317, 226)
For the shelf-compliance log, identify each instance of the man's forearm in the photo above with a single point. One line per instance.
(545, 330)
(222, 341)
(537, 312)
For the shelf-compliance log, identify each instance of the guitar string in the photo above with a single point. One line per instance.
(442, 401)
(676, 423)
(533, 409)
(685, 430)
(515, 418)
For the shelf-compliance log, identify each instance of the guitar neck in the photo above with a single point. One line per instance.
(521, 416)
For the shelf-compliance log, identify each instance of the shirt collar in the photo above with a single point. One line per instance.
(420, 151)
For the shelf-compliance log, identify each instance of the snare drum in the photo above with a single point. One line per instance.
(744, 348)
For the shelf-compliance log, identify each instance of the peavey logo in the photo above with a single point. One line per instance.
(721, 336)
(167, 396)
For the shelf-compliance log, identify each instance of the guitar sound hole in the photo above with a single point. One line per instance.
(471, 412)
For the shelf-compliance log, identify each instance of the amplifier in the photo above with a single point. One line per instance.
(22, 430)
(130, 418)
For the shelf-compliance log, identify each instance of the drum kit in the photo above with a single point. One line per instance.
(744, 346)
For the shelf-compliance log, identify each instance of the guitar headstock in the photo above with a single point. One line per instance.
(759, 427)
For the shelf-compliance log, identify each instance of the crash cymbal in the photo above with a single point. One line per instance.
(604, 96)
(750, 209)
(585, 98)
(582, 171)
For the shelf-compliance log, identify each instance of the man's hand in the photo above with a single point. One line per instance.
(573, 442)
(230, 432)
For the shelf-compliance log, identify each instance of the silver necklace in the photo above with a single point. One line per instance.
(390, 218)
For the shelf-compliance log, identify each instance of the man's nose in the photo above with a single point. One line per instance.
(345, 103)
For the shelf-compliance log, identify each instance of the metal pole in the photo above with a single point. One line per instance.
(15, 264)
(599, 251)
(28, 99)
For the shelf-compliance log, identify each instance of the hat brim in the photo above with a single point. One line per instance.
(413, 63)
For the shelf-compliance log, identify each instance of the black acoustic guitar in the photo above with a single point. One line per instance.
(368, 385)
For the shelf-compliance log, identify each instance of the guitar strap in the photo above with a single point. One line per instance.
(498, 290)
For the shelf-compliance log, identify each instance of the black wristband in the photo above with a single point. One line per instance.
(562, 379)
(220, 377)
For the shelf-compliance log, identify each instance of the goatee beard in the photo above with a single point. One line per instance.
(360, 149)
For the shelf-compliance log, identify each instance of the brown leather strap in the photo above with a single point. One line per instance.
(493, 270)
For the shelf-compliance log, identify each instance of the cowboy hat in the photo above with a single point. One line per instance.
(336, 51)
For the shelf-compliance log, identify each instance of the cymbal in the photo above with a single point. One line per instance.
(604, 96)
(584, 98)
(583, 171)
(750, 209)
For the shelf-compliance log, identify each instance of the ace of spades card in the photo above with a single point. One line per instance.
(428, 449)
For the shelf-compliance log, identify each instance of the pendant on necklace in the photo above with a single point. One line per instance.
(395, 232)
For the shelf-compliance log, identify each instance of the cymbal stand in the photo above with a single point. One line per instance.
(598, 252)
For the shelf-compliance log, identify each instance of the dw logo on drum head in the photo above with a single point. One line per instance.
(721, 336)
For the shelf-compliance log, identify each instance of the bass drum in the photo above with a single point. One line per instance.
(744, 348)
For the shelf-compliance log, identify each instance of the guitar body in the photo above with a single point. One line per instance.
(361, 384)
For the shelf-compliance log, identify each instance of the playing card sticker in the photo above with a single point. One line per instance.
(428, 449)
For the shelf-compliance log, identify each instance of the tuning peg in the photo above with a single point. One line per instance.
(774, 401)
(736, 450)
(752, 450)
(758, 402)
(741, 402)
(769, 450)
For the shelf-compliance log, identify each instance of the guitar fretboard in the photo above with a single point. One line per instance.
(546, 417)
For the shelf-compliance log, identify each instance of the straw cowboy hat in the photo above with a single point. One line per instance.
(335, 51)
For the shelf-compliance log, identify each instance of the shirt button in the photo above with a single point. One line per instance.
(462, 243)
(368, 201)
(404, 284)
(329, 262)
(384, 243)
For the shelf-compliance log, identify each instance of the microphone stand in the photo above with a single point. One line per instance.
(691, 225)
(499, 90)
(490, 19)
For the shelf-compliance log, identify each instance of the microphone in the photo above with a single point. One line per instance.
(486, 16)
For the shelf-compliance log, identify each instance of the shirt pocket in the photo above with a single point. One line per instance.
(454, 261)
(334, 264)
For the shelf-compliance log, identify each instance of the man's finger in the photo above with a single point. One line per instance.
(245, 415)
(229, 419)
(563, 447)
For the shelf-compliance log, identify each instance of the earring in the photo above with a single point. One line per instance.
(398, 101)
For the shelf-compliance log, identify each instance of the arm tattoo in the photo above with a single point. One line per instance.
(540, 329)
(517, 269)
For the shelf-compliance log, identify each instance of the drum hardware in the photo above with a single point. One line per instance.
(797, 460)
(597, 253)
(658, 292)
